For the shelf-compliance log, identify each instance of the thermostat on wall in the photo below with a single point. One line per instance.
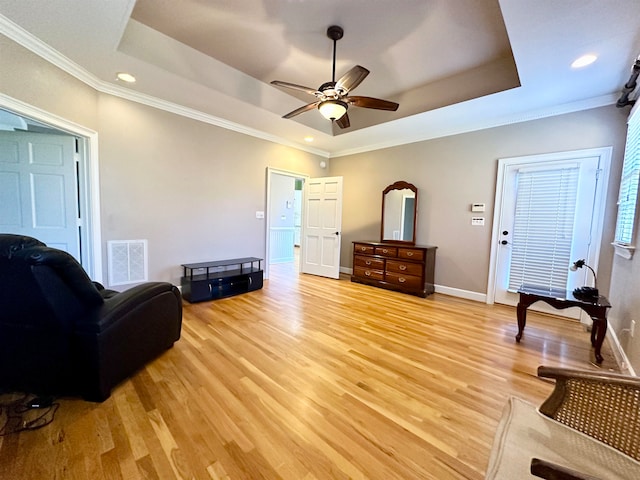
(477, 207)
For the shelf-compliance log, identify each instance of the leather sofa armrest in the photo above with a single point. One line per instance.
(124, 333)
(120, 304)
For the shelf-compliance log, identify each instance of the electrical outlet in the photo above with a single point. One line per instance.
(632, 330)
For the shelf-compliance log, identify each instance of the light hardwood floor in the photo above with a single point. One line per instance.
(310, 378)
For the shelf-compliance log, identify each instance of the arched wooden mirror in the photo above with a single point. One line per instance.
(399, 205)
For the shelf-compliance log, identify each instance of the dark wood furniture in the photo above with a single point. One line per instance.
(222, 278)
(561, 299)
(404, 268)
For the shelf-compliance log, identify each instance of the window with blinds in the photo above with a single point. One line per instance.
(543, 226)
(628, 196)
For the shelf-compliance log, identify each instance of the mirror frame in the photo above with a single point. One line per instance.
(400, 185)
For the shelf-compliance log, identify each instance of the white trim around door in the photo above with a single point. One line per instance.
(88, 177)
(598, 200)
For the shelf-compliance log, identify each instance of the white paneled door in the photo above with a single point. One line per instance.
(321, 229)
(38, 188)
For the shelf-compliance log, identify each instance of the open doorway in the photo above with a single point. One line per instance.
(283, 218)
(27, 133)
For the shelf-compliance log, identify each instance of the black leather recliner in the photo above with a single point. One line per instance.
(62, 334)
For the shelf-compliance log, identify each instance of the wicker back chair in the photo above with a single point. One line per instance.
(603, 405)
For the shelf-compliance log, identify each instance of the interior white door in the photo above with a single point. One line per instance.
(583, 240)
(38, 188)
(321, 229)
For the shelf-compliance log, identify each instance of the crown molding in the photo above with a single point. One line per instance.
(194, 114)
(37, 46)
(430, 133)
(43, 50)
(27, 40)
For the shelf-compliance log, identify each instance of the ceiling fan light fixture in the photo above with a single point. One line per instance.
(332, 109)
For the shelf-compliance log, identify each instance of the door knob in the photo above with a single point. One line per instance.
(504, 242)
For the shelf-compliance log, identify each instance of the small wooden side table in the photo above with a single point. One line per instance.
(561, 299)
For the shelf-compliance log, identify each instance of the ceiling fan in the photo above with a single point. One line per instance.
(333, 98)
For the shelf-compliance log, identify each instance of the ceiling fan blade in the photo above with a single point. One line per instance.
(298, 111)
(343, 121)
(301, 88)
(352, 79)
(368, 102)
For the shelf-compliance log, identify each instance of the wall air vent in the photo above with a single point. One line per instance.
(127, 260)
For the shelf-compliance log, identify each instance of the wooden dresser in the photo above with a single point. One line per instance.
(405, 268)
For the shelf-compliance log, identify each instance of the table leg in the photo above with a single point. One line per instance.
(598, 332)
(522, 319)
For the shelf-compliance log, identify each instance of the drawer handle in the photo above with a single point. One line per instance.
(368, 262)
(363, 249)
(409, 254)
(403, 267)
(402, 279)
(210, 288)
(367, 273)
(384, 250)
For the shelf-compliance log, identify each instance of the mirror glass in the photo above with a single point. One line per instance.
(399, 213)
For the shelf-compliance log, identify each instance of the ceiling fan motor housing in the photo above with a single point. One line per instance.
(334, 32)
(332, 97)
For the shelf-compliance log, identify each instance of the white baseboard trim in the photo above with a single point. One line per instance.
(621, 357)
(454, 292)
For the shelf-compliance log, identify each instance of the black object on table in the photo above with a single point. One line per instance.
(595, 307)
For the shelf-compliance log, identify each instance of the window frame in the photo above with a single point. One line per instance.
(627, 216)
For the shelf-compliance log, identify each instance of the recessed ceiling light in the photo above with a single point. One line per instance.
(584, 60)
(126, 77)
(308, 139)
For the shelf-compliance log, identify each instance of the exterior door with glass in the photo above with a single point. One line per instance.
(549, 213)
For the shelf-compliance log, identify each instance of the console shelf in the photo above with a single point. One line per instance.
(221, 278)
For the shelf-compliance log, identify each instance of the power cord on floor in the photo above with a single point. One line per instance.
(20, 412)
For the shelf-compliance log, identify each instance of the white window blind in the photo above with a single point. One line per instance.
(543, 227)
(628, 197)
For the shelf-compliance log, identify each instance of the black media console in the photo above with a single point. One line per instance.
(223, 278)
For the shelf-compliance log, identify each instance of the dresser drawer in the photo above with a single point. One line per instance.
(411, 253)
(363, 248)
(368, 262)
(406, 268)
(407, 281)
(363, 272)
(386, 251)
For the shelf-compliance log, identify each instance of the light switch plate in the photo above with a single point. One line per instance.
(477, 221)
(477, 207)
(259, 214)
